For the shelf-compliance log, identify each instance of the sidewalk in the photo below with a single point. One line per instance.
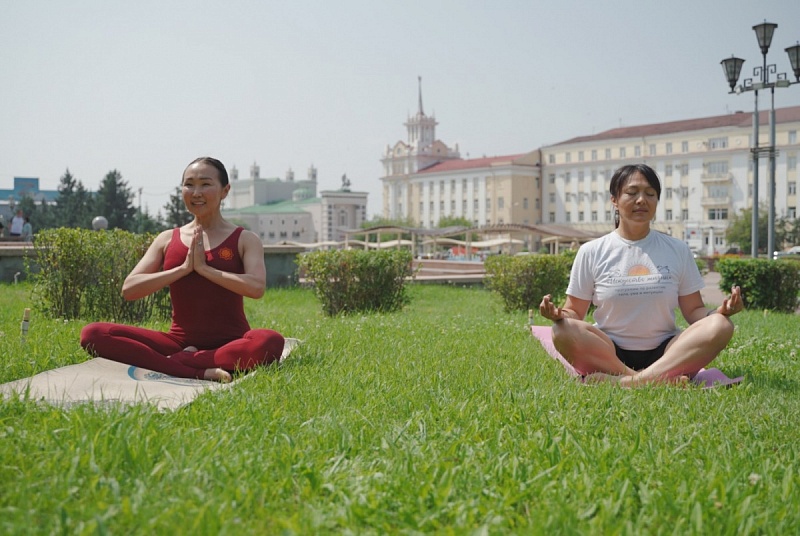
(711, 293)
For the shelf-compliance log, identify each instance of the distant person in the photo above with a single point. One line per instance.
(209, 266)
(636, 277)
(27, 230)
(17, 222)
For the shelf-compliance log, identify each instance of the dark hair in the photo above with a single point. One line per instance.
(624, 173)
(220, 167)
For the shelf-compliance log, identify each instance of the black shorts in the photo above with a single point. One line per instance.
(641, 359)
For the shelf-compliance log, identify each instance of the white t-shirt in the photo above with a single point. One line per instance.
(16, 225)
(635, 286)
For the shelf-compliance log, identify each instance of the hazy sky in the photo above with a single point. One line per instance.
(146, 86)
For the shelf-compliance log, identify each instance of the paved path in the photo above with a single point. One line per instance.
(711, 294)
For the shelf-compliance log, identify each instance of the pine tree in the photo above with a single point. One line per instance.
(114, 200)
(177, 214)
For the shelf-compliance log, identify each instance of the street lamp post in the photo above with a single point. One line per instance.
(732, 67)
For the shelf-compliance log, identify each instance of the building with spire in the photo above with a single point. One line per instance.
(425, 181)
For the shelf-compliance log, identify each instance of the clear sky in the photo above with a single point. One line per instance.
(145, 86)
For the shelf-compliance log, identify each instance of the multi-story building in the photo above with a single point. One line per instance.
(705, 166)
(425, 180)
(291, 211)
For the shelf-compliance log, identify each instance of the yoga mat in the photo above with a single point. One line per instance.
(102, 381)
(706, 378)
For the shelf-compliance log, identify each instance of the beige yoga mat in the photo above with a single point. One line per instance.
(101, 381)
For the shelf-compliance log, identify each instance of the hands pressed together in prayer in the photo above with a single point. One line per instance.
(196, 258)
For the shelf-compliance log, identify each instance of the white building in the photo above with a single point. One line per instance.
(291, 211)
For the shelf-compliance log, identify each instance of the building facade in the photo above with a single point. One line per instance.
(291, 211)
(705, 166)
(424, 181)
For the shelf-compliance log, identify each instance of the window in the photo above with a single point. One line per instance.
(551, 159)
(551, 178)
(667, 193)
(669, 214)
(685, 214)
(594, 196)
(717, 169)
(568, 217)
(452, 206)
(792, 187)
(525, 203)
(475, 205)
(792, 137)
(608, 215)
(718, 214)
(580, 156)
(718, 143)
(421, 207)
(791, 162)
(608, 154)
(551, 217)
(652, 149)
(568, 157)
(580, 216)
(637, 151)
(567, 176)
(552, 198)
(594, 154)
(463, 206)
(580, 176)
(669, 147)
(668, 170)
(488, 204)
(622, 152)
(501, 203)
(684, 146)
(594, 215)
(441, 206)
(684, 169)
(431, 207)
(791, 212)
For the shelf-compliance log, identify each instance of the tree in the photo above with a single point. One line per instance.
(740, 229)
(114, 200)
(177, 214)
(73, 205)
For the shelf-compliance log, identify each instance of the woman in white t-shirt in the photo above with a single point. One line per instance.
(636, 277)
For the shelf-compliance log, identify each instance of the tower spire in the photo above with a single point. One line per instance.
(419, 79)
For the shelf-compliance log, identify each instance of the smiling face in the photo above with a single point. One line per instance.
(202, 189)
(636, 201)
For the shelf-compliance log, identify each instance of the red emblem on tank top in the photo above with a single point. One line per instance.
(226, 254)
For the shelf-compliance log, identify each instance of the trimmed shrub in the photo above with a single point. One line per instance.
(766, 284)
(523, 281)
(349, 281)
(81, 274)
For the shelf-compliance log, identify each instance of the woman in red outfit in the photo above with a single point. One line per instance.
(209, 266)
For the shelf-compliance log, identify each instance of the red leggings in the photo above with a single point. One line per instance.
(162, 352)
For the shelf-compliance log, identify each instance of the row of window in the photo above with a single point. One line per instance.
(714, 143)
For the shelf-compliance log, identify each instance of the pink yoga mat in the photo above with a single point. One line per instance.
(706, 378)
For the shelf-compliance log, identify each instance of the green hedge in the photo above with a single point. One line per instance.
(766, 284)
(81, 274)
(349, 281)
(522, 281)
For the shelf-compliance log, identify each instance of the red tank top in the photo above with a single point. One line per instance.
(203, 313)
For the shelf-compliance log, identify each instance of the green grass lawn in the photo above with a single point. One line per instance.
(446, 417)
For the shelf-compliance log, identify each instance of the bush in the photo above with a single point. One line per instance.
(766, 284)
(81, 274)
(349, 281)
(523, 281)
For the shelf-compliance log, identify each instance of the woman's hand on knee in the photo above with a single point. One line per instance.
(549, 310)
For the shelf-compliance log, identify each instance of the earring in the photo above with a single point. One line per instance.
(616, 217)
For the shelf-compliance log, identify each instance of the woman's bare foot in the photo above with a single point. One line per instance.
(217, 375)
(624, 380)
